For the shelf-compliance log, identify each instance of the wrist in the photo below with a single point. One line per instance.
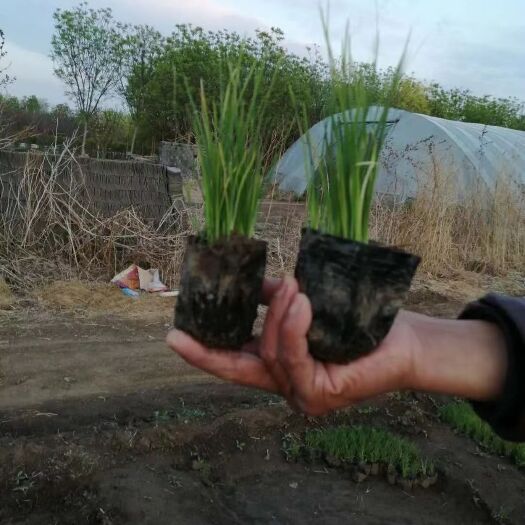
(458, 357)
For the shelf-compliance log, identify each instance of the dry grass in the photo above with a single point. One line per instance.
(7, 299)
(47, 233)
(92, 298)
(485, 234)
(280, 225)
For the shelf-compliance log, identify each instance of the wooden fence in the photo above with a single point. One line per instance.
(106, 186)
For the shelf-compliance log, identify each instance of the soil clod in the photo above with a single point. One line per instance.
(356, 290)
(220, 290)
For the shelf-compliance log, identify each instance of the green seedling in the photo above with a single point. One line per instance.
(291, 447)
(358, 444)
(187, 414)
(230, 152)
(342, 175)
(462, 417)
(161, 416)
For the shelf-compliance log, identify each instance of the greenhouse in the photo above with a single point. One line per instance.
(420, 151)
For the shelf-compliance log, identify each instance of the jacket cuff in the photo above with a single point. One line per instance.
(506, 415)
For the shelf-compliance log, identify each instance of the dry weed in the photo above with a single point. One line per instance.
(47, 232)
(485, 232)
(92, 298)
(280, 225)
(7, 299)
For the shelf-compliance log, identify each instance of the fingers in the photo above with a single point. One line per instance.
(294, 357)
(243, 368)
(270, 287)
(270, 335)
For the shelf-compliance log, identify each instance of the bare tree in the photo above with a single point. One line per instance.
(88, 52)
(5, 79)
(7, 136)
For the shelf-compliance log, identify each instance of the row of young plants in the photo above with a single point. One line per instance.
(365, 451)
(355, 287)
(462, 417)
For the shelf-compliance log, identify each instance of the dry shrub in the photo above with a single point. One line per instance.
(280, 225)
(482, 232)
(47, 232)
(7, 298)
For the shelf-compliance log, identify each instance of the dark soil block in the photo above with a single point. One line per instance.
(356, 290)
(220, 290)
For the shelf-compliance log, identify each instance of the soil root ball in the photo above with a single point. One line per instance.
(356, 290)
(220, 290)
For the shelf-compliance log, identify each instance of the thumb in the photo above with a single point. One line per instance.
(293, 346)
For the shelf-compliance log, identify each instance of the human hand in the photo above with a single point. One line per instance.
(279, 360)
(244, 366)
(456, 357)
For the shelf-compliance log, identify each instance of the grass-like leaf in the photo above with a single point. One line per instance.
(463, 418)
(342, 175)
(370, 445)
(230, 152)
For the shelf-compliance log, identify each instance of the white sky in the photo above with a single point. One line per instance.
(478, 45)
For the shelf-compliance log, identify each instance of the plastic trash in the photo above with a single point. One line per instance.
(129, 292)
(129, 278)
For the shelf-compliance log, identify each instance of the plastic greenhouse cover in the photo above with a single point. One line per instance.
(417, 150)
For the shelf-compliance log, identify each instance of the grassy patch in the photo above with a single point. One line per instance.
(363, 444)
(463, 418)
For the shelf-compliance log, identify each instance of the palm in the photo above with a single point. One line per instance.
(280, 362)
(386, 369)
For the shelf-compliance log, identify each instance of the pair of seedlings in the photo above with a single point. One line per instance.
(355, 286)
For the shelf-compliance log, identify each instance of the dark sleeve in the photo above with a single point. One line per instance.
(506, 415)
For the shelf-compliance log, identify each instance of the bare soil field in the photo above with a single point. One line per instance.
(101, 423)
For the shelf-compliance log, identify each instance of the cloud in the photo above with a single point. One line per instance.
(165, 14)
(34, 74)
(486, 63)
(450, 43)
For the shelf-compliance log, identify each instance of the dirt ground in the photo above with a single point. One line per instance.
(101, 423)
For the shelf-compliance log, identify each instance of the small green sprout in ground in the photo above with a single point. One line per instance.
(230, 151)
(161, 416)
(292, 447)
(187, 414)
(463, 418)
(362, 444)
(183, 414)
(369, 410)
(501, 515)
